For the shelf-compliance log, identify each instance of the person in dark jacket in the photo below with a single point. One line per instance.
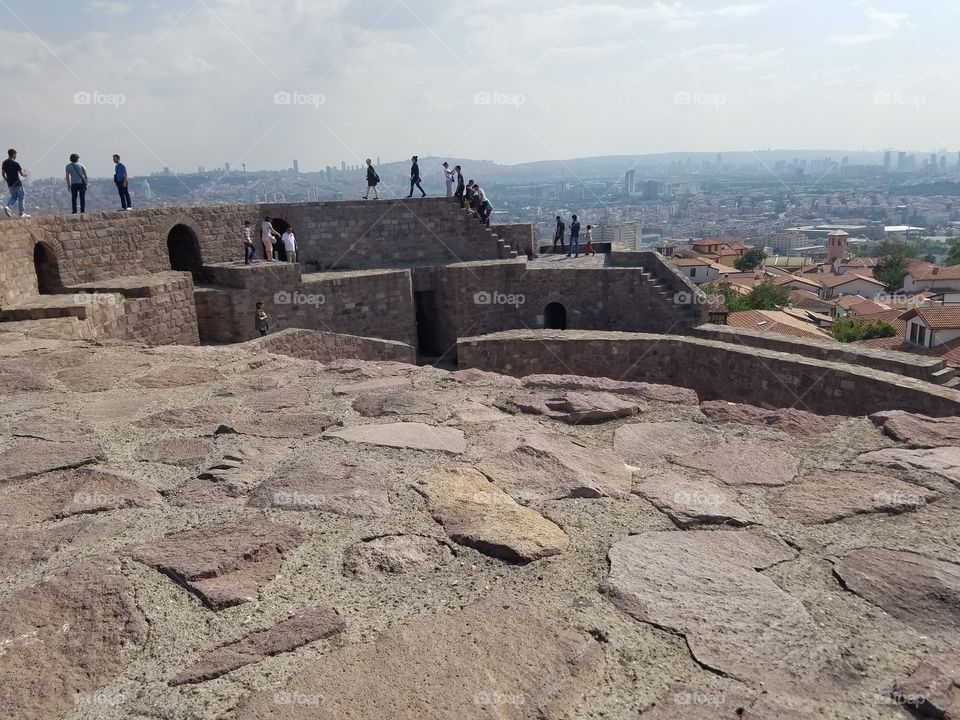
(415, 178)
(372, 180)
(558, 236)
(460, 187)
(574, 237)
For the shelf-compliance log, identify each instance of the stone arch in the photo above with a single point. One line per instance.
(555, 316)
(183, 249)
(47, 268)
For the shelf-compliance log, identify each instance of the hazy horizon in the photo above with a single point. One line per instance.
(207, 82)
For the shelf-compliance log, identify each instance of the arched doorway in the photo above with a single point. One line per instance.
(281, 226)
(184, 249)
(47, 269)
(555, 317)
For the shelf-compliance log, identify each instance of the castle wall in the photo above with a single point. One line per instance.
(327, 347)
(716, 371)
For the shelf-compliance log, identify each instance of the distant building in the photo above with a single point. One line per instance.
(620, 234)
(697, 270)
(837, 245)
(629, 183)
(833, 286)
(296, 167)
(651, 190)
(932, 325)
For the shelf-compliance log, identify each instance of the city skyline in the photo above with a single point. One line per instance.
(214, 81)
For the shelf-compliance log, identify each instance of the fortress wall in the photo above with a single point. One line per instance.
(18, 277)
(328, 347)
(166, 315)
(522, 237)
(716, 371)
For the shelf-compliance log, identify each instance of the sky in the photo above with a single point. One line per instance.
(184, 83)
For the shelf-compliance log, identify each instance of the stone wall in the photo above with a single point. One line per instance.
(327, 347)
(715, 370)
(165, 315)
(521, 237)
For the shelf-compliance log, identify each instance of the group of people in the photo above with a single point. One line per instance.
(560, 233)
(77, 181)
(276, 246)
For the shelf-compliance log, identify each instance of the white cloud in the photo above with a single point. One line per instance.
(113, 8)
(881, 25)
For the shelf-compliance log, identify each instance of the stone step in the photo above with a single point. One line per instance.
(944, 376)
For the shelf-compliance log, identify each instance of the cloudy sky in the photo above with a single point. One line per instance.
(184, 83)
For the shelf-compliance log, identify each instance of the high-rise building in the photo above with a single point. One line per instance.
(226, 167)
(296, 167)
(651, 189)
(343, 165)
(886, 161)
(629, 183)
(901, 160)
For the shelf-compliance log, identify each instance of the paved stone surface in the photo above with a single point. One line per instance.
(705, 585)
(744, 462)
(575, 408)
(648, 391)
(51, 429)
(34, 457)
(657, 442)
(919, 430)
(933, 688)
(476, 513)
(493, 661)
(224, 565)
(407, 435)
(385, 384)
(395, 554)
(306, 627)
(919, 590)
(63, 638)
(175, 377)
(327, 485)
(281, 425)
(916, 465)
(187, 452)
(400, 402)
(184, 418)
(690, 500)
(790, 420)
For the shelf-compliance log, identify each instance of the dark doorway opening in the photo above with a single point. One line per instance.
(47, 269)
(429, 345)
(555, 317)
(184, 250)
(281, 226)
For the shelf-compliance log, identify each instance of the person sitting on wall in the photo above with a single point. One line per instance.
(262, 319)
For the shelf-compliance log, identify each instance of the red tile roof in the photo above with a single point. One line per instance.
(832, 281)
(938, 317)
(776, 322)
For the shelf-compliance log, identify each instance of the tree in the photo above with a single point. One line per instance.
(847, 330)
(891, 268)
(953, 256)
(765, 296)
(750, 259)
(896, 249)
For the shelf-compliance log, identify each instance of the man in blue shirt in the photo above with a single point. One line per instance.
(121, 179)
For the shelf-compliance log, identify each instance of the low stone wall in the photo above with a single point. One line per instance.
(715, 370)
(327, 346)
(521, 237)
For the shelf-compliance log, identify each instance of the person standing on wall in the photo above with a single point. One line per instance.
(372, 181)
(76, 175)
(121, 179)
(449, 176)
(558, 236)
(588, 248)
(290, 244)
(262, 319)
(12, 173)
(575, 237)
(249, 249)
(460, 187)
(415, 178)
(267, 234)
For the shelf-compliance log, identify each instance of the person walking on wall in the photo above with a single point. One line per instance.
(290, 244)
(415, 178)
(588, 248)
(249, 249)
(76, 175)
(449, 177)
(262, 319)
(12, 173)
(372, 181)
(267, 234)
(574, 237)
(122, 180)
(558, 236)
(460, 186)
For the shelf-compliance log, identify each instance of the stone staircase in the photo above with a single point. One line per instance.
(475, 231)
(946, 376)
(684, 312)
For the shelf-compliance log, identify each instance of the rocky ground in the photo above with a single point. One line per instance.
(219, 532)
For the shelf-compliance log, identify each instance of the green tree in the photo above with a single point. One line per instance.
(750, 259)
(891, 267)
(847, 330)
(953, 256)
(764, 296)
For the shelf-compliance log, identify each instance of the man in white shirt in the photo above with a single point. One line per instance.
(448, 176)
(267, 234)
(290, 244)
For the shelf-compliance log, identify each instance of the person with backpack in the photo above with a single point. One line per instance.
(76, 175)
(415, 178)
(558, 236)
(121, 178)
(372, 181)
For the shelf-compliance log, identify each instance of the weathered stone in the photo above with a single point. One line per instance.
(824, 497)
(647, 391)
(476, 513)
(63, 638)
(51, 429)
(305, 627)
(575, 408)
(183, 418)
(407, 435)
(689, 500)
(224, 565)
(325, 484)
(281, 425)
(34, 457)
(474, 412)
(789, 420)
(689, 703)
(744, 462)
(187, 452)
(15, 382)
(394, 554)
(402, 402)
(919, 430)
(474, 376)
(943, 462)
(922, 592)
(541, 466)
(275, 400)
(23, 548)
(492, 661)
(933, 689)
(648, 443)
(703, 584)
(179, 376)
(373, 385)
